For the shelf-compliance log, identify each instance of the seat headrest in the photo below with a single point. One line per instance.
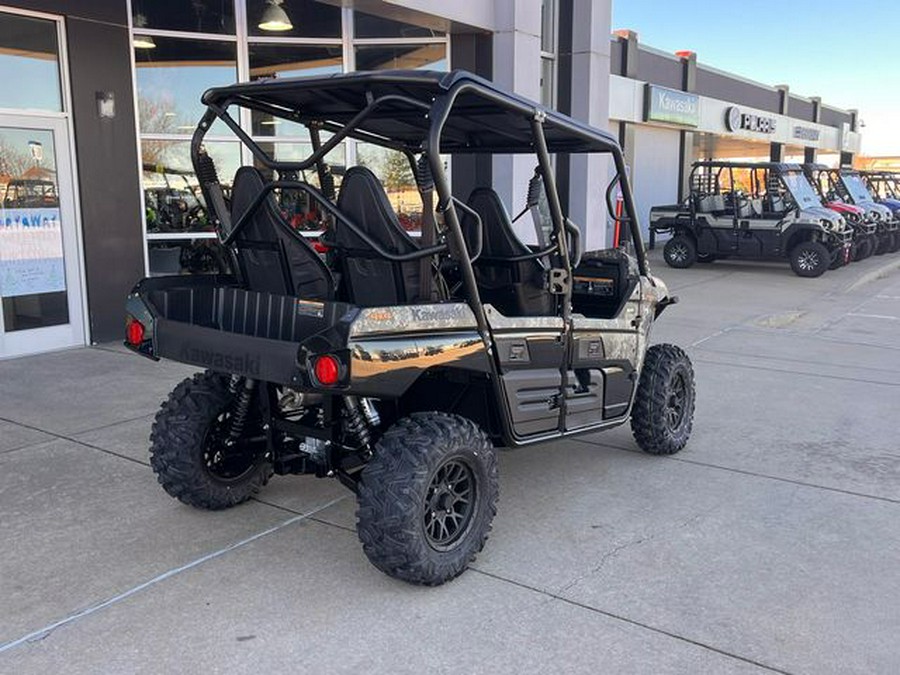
(363, 200)
(498, 236)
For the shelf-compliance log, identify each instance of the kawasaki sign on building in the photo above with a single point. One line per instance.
(662, 104)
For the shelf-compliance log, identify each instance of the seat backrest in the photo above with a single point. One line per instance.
(514, 288)
(273, 257)
(711, 203)
(756, 206)
(776, 203)
(370, 279)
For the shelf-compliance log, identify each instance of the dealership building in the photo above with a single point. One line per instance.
(100, 97)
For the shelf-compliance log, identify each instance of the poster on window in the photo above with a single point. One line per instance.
(31, 253)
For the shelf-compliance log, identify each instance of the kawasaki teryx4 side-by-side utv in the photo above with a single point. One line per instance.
(398, 364)
(847, 185)
(884, 186)
(753, 210)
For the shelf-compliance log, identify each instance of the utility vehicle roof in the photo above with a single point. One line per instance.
(483, 119)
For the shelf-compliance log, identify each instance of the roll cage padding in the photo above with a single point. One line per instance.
(272, 256)
(370, 280)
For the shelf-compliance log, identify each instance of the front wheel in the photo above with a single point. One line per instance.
(680, 252)
(810, 259)
(663, 414)
(427, 498)
(862, 249)
(194, 453)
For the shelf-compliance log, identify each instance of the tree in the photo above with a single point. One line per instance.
(397, 172)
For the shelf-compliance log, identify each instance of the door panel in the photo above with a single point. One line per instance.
(530, 353)
(602, 365)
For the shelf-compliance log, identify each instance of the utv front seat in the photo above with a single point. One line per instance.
(371, 280)
(274, 258)
(515, 288)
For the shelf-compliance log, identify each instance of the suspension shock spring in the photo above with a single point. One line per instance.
(241, 410)
(356, 423)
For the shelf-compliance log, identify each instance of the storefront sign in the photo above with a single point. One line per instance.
(671, 106)
(806, 133)
(735, 120)
(31, 254)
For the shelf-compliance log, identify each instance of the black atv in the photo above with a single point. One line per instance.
(397, 364)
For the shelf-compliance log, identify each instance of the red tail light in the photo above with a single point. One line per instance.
(327, 370)
(134, 332)
(320, 247)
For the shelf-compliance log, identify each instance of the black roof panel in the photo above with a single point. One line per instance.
(484, 117)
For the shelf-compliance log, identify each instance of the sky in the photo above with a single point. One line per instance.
(846, 52)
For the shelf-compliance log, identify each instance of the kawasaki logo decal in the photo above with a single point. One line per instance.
(231, 363)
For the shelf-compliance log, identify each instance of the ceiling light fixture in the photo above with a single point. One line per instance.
(274, 18)
(143, 42)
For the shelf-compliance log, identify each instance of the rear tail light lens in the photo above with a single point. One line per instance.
(134, 332)
(327, 370)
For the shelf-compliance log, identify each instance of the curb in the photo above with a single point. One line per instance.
(873, 275)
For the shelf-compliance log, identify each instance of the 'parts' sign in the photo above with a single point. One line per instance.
(735, 120)
(671, 106)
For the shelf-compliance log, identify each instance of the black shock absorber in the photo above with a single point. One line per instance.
(241, 410)
(356, 423)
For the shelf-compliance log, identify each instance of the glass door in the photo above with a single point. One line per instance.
(40, 288)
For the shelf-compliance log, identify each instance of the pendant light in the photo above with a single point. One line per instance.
(274, 18)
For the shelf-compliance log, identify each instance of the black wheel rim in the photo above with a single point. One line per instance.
(676, 402)
(226, 459)
(808, 260)
(678, 253)
(449, 504)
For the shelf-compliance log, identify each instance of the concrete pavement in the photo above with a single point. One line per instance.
(770, 544)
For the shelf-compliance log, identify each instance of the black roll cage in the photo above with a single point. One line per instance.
(437, 111)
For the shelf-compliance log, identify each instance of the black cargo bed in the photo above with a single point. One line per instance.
(209, 322)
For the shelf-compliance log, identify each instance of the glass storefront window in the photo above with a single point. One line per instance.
(283, 61)
(425, 57)
(187, 256)
(172, 199)
(195, 16)
(305, 18)
(29, 62)
(371, 26)
(173, 75)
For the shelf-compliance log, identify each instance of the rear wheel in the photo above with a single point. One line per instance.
(884, 242)
(427, 498)
(810, 259)
(894, 244)
(663, 414)
(192, 449)
(680, 252)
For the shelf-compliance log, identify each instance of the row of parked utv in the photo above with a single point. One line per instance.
(818, 218)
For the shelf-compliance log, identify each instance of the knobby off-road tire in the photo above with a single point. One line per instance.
(883, 243)
(862, 249)
(810, 259)
(187, 453)
(428, 469)
(895, 245)
(663, 414)
(680, 252)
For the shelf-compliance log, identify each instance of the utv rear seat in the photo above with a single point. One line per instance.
(515, 288)
(711, 203)
(273, 257)
(369, 280)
